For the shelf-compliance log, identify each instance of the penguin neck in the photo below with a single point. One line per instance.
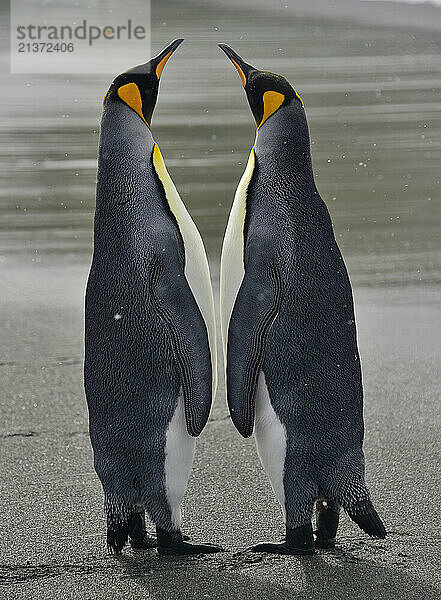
(282, 148)
(124, 130)
(124, 168)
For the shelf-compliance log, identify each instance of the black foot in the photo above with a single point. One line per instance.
(280, 549)
(144, 541)
(173, 543)
(325, 543)
(139, 538)
(328, 514)
(299, 541)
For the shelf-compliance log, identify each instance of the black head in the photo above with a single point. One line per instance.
(266, 92)
(138, 87)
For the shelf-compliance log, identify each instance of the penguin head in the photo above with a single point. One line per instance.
(266, 92)
(138, 87)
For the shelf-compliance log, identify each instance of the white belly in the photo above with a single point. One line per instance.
(197, 271)
(232, 268)
(270, 436)
(179, 452)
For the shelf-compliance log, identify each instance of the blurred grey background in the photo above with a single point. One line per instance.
(370, 77)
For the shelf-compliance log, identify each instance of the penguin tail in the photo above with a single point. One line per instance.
(117, 537)
(347, 485)
(364, 514)
(118, 523)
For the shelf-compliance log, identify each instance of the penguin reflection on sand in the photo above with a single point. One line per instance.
(292, 364)
(150, 358)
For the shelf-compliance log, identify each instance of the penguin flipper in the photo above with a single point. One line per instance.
(254, 312)
(174, 302)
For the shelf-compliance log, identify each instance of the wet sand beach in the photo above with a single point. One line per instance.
(372, 91)
(53, 528)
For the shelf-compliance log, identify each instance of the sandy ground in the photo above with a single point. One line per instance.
(52, 532)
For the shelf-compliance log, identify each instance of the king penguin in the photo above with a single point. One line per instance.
(292, 365)
(150, 348)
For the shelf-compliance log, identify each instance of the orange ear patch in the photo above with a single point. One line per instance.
(130, 94)
(272, 101)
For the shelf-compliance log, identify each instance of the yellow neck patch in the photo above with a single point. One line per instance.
(301, 101)
(272, 101)
(130, 94)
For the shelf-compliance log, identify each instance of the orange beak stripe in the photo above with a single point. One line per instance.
(241, 73)
(162, 64)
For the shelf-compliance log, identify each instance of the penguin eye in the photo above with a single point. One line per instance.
(272, 101)
(130, 94)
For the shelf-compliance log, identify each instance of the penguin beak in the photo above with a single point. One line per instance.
(243, 68)
(158, 63)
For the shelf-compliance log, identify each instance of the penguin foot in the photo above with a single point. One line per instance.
(170, 543)
(324, 543)
(139, 538)
(144, 541)
(186, 548)
(280, 549)
(299, 541)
